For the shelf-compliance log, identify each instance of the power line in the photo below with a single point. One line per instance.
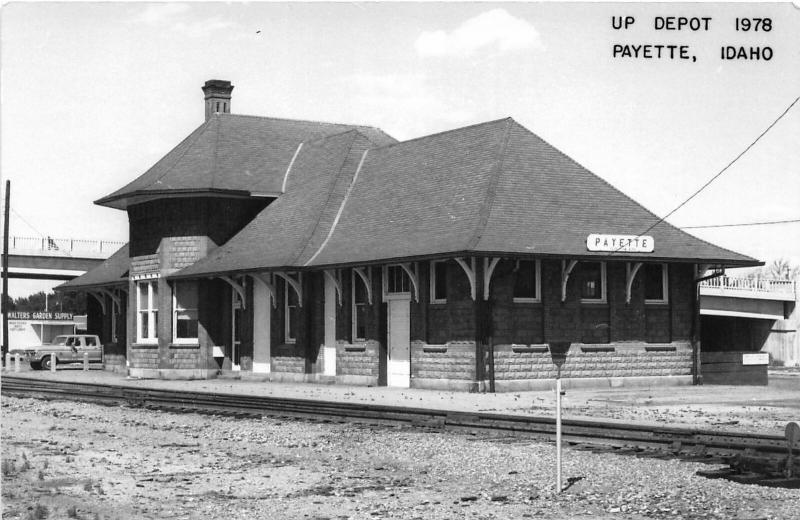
(715, 177)
(765, 223)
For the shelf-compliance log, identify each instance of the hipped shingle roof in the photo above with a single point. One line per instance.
(113, 271)
(243, 155)
(494, 188)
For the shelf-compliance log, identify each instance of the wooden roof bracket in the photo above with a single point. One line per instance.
(268, 284)
(115, 300)
(99, 297)
(295, 284)
(412, 275)
(630, 274)
(470, 271)
(488, 269)
(334, 275)
(366, 277)
(239, 288)
(566, 270)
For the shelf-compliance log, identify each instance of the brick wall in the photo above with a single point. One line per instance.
(516, 362)
(217, 218)
(452, 360)
(359, 359)
(183, 358)
(143, 357)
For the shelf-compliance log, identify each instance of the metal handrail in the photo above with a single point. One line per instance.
(64, 245)
(765, 285)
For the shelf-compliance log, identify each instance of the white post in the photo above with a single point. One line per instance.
(16, 363)
(558, 432)
(53, 362)
(8, 360)
(85, 361)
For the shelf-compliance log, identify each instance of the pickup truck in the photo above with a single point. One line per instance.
(68, 348)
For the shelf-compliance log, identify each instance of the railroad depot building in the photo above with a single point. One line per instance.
(307, 251)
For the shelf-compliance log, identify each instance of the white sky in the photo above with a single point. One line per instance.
(94, 93)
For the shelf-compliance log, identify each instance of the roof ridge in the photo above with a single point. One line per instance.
(437, 134)
(491, 189)
(315, 121)
(215, 157)
(200, 131)
(312, 228)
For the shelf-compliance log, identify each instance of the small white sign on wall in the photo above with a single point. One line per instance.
(620, 243)
(761, 358)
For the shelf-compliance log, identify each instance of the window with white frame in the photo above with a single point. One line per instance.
(439, 281)
(147, 311)
(527, 281)
(592, 279)
(184, 314)
(290, 312)
(396, 281)
(359, 308)
(655, 283)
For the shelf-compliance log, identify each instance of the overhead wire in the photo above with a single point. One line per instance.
(723, 170)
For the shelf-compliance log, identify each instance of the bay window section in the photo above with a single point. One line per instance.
(147, 311)
(184, 318)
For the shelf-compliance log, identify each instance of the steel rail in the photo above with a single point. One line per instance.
(679, 441)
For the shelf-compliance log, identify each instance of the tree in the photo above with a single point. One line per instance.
(781, 269)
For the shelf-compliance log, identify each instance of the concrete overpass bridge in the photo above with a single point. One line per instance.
(48, 258)
(751, 315)
(747, 298)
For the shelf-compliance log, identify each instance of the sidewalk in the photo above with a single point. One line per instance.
(741, 408)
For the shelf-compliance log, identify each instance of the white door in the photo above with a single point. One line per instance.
(399, 363)
(329, 348)
(262, 314)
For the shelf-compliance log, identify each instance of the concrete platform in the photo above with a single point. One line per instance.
(740, 408)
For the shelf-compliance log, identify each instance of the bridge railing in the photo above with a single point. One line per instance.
(750, 285)
(51, 246)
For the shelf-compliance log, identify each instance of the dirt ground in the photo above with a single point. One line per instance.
(76, 460)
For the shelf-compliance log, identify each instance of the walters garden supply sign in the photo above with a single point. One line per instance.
(46, 316)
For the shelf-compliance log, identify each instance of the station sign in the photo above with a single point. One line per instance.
(620, 243)
(761, 358)
(40, 315)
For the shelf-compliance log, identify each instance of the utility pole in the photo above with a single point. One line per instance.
(5, 269)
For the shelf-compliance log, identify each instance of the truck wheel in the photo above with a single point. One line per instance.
(36, 365)
(46, 363)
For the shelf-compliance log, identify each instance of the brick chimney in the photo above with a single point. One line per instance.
(218, 97)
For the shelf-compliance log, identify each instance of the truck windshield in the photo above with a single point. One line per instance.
(60, 340)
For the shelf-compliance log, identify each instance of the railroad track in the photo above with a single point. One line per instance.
(752, 457)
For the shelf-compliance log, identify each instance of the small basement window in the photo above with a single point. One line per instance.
(656, 282)
(527, 281)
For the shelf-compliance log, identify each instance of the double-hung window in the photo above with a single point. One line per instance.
(439, 281)
(592, 279)
(359, 308)
(655, 283)
(527, 281)
(147, 311)
(184, 316)
(291, 314)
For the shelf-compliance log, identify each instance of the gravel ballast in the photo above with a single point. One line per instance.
(79, 460)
